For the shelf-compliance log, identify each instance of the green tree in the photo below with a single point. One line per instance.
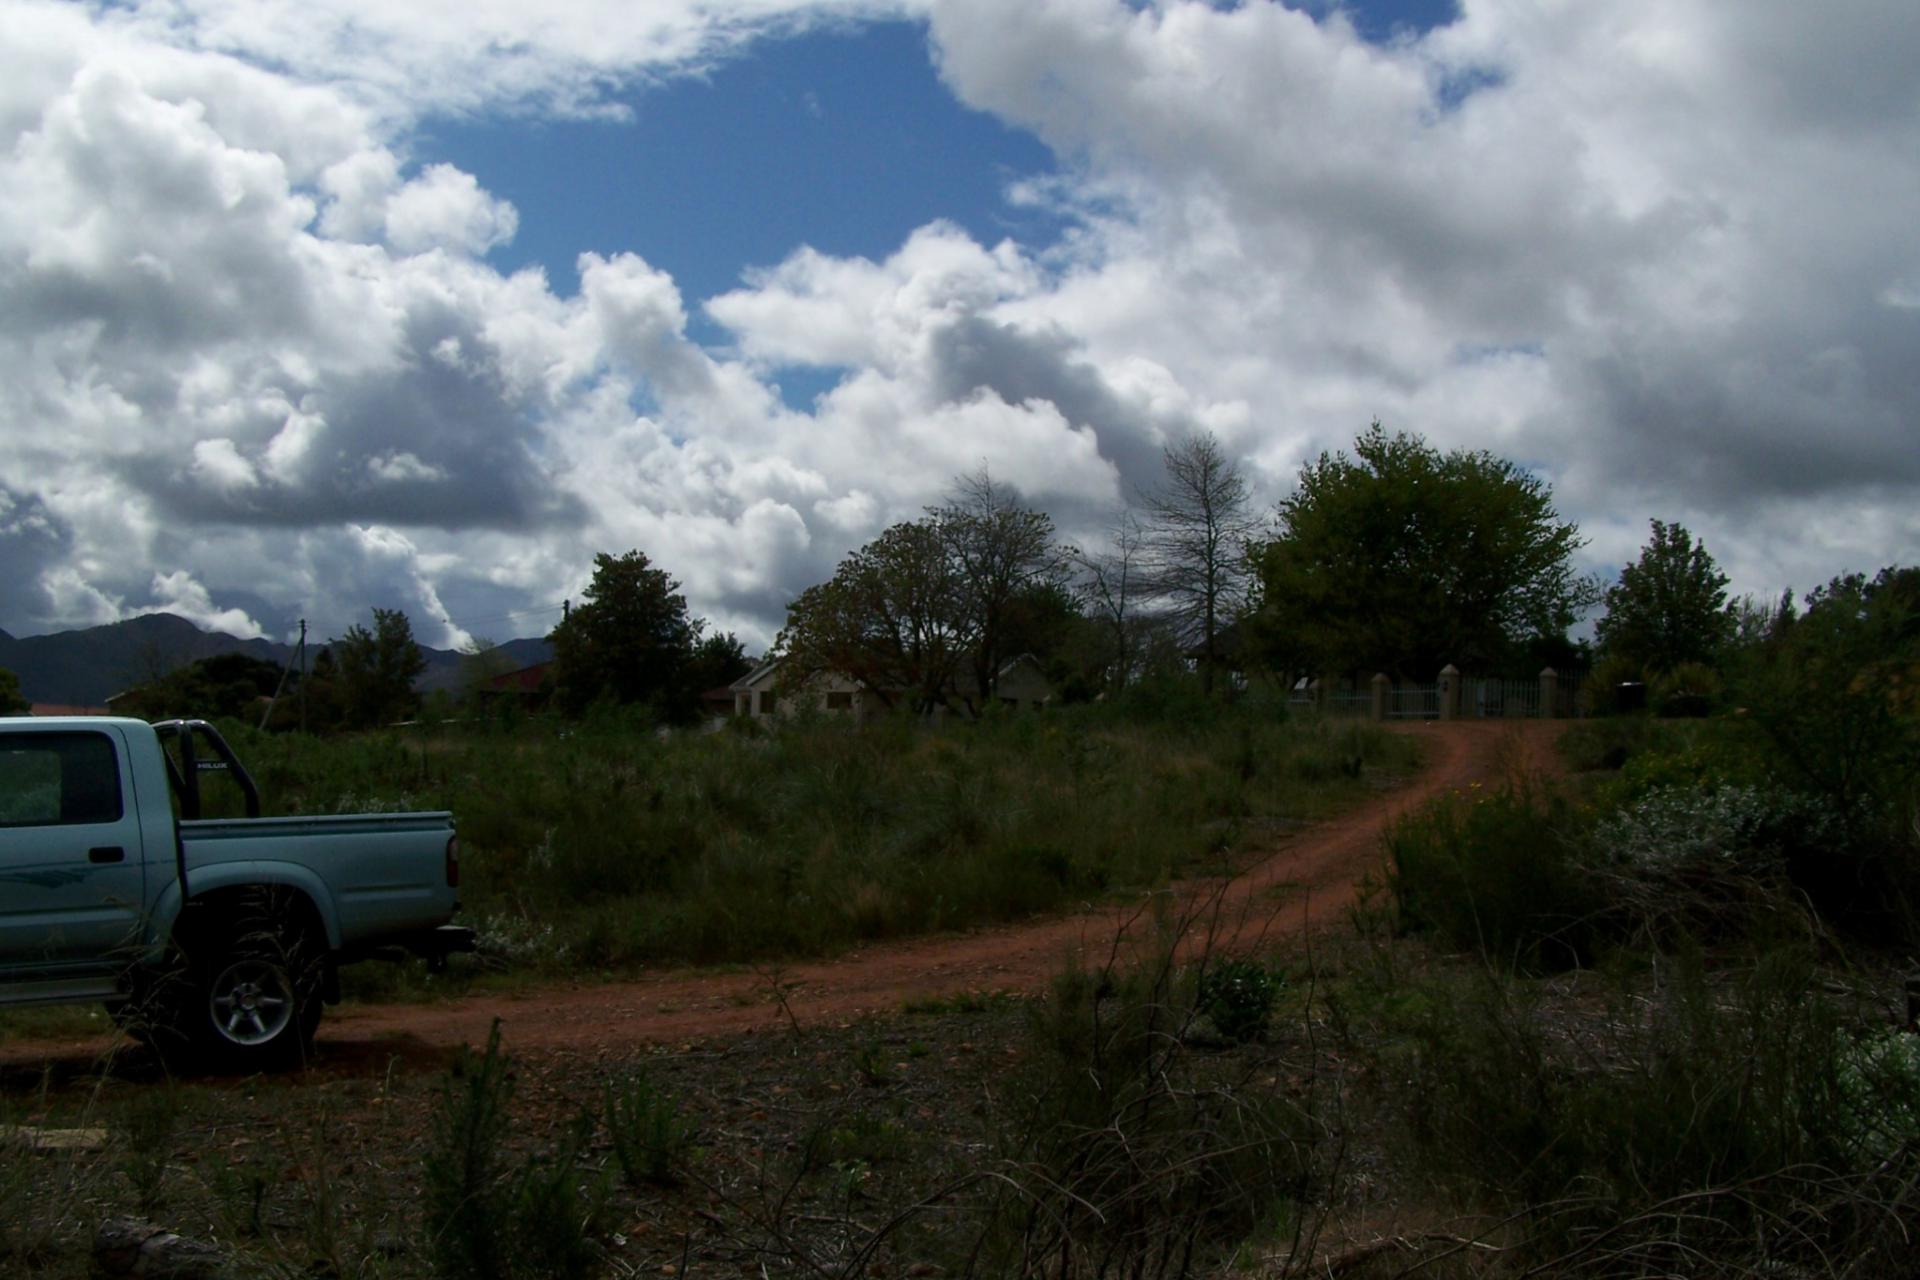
(1836, 689)
(12, 703)
(375, 670)
(227, 684)
(481, 660)
(630, 640)
(1402, 559)
(718, 659)
(891, 619)
(1669, 607)
(930, 611)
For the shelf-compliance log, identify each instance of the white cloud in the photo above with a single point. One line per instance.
(446, 209)
(254, 362)
(218, 463)
(178, 593)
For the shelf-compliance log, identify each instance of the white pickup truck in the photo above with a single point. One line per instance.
(215, 940)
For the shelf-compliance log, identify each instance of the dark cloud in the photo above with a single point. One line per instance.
(1017, 365)
(438, 443)
(32, 540)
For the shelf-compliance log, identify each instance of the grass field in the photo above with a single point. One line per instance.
(602, 845)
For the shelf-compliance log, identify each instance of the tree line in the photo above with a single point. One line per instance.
(1392, 557)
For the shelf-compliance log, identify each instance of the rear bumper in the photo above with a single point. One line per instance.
(432, 945)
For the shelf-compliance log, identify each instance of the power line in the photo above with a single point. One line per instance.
(470, 623)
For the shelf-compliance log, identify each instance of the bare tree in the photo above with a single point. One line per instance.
(1112, 582)
(1197, 529)
(1002, 552)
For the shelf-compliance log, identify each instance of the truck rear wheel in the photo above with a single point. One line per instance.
(250, 996)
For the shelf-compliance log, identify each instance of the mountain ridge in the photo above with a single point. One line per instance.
(87, 666)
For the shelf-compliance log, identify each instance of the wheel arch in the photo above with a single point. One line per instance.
(221, 894)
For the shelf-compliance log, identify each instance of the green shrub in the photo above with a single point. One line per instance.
(489, 1217)
(1237, 997)
(1704, 860)
(650, 1136)
(1496, 871)
(1689, 691)
(1746, 1102)
(1126, 1154)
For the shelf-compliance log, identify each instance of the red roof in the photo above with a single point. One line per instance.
(525, 680)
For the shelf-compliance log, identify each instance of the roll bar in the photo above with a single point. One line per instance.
(185, 772)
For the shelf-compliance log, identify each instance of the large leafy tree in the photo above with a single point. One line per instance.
(630, 640)
(928, 612)
(227, 684)
(718, 659)
(1669, 607)
(376, 669)
(892, 619)
(1836, 688)
(1400, 558)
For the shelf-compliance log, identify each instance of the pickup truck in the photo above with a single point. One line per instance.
(217, 941)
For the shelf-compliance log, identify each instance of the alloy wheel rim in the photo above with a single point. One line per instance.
(251, 1002)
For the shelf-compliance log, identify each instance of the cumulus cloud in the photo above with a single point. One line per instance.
(256, 365)
(177, 593)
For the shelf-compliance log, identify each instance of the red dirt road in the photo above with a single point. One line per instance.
(1305, 884)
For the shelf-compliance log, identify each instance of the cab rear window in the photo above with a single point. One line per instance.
(58, 779)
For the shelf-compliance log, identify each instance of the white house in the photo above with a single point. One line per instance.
(1021, 683)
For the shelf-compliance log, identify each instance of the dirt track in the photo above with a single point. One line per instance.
(1305, 884)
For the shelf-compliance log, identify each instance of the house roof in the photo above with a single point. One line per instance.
(525, 680)
(756, 677)
(1028, 658)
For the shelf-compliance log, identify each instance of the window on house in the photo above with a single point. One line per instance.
(766, 702)
(842, 701)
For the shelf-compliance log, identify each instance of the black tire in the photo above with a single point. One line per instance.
(249, 996)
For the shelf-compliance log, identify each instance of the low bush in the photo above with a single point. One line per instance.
(1712, 861)
(651, 1139)
(1497, 871)
(1237, 997)
(489, 1214)
(1742, 1121)
(1127, 1154)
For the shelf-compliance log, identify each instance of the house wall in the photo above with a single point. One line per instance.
(1024, 684)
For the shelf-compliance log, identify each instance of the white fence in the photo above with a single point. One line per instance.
(1497, 699)
(1452, 696)
(1413, 702)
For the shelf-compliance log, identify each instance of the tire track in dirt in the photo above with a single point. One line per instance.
(1306, 884)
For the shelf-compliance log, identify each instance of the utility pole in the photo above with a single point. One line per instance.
(303, 675)
(301, 654)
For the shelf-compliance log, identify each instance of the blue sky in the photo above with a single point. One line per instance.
(265, 356)
(842, 139)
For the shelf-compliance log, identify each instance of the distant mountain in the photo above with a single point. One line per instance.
(85, 668)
